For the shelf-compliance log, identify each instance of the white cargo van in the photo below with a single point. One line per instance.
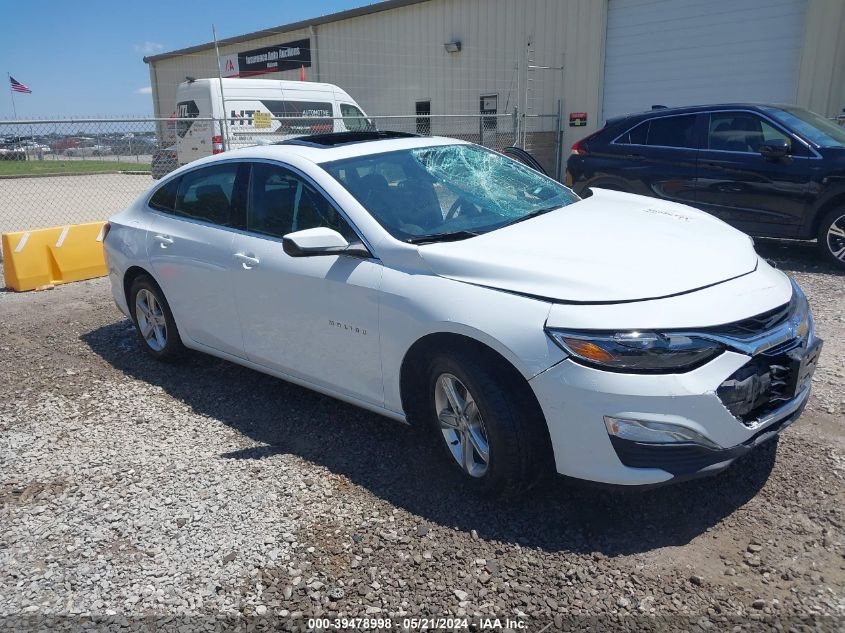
(252, 107)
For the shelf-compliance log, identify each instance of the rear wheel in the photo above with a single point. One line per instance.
(154, 321)
(832, 237)
(488, 432)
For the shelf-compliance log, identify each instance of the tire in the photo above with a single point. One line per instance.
(506, 423)
(832, 237)
(162, 340)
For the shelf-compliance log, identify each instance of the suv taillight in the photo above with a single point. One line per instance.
(217, 144)
(579, 148)
(106, 229)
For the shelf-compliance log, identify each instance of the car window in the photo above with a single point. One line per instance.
(673, 131)
(741, 132)
(810, 125)
(164, 198)
(281, 202)
(210, 194)
(354, 119)
(425, 191)
(637, 135)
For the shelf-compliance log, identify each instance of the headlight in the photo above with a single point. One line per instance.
(646, 352)
(801, 317)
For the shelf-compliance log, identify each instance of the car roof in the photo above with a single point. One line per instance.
(328, 153)
(692, 109)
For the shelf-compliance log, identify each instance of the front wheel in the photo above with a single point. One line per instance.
(154, 321)
(832, 237)
(488, 430)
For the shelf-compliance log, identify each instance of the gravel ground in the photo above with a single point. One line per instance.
(202, 490)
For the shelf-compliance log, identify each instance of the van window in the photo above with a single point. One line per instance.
(316, 116)
(213, 194)
(281, 202)
(354, 119)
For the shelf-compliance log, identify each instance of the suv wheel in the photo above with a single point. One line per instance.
(483, 425)
(832, 236)
(154, 321)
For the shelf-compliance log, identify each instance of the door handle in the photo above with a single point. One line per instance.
(163, 240)
(247, 261)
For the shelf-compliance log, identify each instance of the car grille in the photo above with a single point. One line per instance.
(756, 325)
(761, 385)
(770, 378)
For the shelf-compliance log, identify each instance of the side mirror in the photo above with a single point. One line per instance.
(775, 150)
(320, 241)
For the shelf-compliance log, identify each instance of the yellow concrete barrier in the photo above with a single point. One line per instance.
(43, 257)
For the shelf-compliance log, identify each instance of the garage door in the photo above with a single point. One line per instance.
(689, 52)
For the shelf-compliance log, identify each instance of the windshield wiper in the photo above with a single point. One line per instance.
(441, 237)
(533, 214)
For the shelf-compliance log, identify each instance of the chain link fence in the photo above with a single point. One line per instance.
(67, 171)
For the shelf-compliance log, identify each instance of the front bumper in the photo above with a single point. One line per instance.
(688, 460)
(575, 399)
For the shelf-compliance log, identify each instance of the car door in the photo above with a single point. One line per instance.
(190, 249)
(736, 183)
(315, 318)
(658, 157)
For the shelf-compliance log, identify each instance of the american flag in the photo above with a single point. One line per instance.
(18, 86)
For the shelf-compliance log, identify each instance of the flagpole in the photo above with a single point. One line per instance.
(12, 93)
(222, 96)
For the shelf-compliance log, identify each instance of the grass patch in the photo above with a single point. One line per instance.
(52, 167)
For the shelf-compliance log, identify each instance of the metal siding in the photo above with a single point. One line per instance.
(390, 59)
(821, 82)
(685, 52)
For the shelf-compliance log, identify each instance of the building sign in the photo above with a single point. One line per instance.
(577, 119)
(270, 59)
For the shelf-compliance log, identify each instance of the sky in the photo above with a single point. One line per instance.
(85, 58)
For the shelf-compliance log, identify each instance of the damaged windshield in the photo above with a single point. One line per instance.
(447, 191)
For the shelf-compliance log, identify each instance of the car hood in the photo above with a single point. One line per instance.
(610, 247)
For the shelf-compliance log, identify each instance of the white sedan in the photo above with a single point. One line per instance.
(617, 339)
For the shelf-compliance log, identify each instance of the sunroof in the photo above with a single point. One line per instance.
(343, 138)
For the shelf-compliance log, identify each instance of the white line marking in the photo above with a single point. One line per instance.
(100, 234)
(22, 243)
(62, 237)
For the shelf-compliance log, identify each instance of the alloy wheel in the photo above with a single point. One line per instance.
(151, 321)
(461, 425)
(836, 238)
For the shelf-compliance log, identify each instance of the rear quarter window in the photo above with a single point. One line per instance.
(164, 198)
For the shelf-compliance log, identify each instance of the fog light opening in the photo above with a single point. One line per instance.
(653, 432)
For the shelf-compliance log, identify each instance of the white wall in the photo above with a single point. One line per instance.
(388, 60)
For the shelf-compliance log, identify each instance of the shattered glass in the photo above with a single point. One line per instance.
(447, 190)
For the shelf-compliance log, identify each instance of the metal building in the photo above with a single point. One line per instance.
(596, 58)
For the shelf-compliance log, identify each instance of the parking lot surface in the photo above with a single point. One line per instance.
(134, 488)
(31, 203)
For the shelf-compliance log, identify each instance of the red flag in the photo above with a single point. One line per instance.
(302, 73)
